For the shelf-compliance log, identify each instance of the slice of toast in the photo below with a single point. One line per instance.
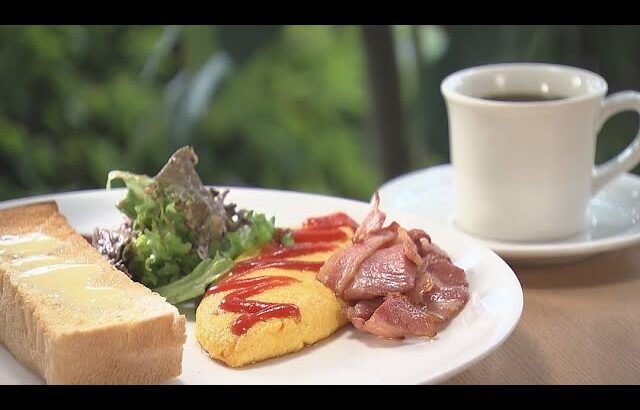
(74, 318)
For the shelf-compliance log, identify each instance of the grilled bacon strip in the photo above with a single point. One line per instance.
(397, 282)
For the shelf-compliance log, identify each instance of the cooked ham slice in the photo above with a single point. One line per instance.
(397, 318)
(387, 270)
(440, 292)
(372, 223)
(450, 290)
(423, 284)
(397, 282)
(417, 234)
(363, 309)
(338, 271)
(431, 251)
(410, 248)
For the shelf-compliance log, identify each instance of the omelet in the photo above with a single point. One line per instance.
(320, 315)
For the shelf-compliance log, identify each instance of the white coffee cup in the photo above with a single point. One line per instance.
(524, 171)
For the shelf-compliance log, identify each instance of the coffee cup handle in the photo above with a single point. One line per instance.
(630, 157)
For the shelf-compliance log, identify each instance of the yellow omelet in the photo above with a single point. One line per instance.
(320, 316)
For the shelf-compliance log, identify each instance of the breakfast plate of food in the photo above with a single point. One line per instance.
(168, 280)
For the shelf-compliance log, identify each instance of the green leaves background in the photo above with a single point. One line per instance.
(272, 106)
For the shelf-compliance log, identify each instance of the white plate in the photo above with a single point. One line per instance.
(613, 214)
(350, 356)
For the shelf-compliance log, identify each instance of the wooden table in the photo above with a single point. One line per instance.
(580, 325)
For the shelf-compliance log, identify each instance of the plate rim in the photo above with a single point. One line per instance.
(507, 323)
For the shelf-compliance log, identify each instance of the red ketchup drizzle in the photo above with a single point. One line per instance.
(249, 265)
(335, 220)
(253, 311)
(315, 236)
(297, 249)
(324, 228)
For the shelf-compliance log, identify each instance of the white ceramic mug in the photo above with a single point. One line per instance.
(524, 171)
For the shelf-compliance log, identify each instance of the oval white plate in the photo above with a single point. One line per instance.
(613, 215)
(349, 356)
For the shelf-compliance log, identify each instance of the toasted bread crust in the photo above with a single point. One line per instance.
(138, 342)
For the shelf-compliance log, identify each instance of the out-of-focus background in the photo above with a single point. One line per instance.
(326, 109)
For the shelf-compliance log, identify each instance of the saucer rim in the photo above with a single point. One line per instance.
(525, 250)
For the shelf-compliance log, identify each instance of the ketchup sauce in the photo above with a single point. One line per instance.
(315, 236)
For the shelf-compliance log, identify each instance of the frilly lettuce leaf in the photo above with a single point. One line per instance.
(258, 232)
(195, 283)
(183, 233)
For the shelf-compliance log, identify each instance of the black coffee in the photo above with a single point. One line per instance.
(522, 97)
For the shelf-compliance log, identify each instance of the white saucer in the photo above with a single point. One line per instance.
(614, 216)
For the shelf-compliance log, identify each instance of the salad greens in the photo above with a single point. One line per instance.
(195, 283)
(179, 235)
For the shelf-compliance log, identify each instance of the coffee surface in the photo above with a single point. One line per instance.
(522, 97)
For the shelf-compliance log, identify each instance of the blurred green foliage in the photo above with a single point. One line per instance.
(271, 106)
(278, 107)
